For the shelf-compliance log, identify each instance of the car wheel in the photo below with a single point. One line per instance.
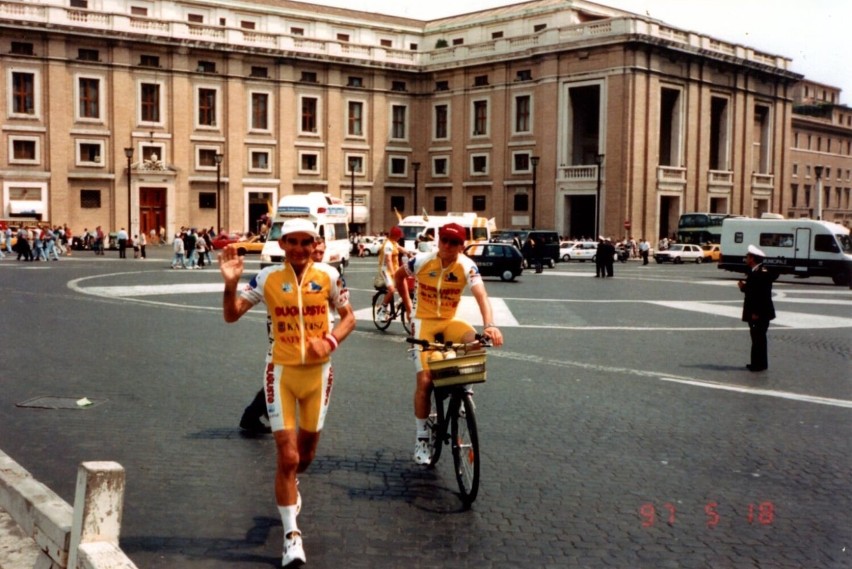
(367, 253)
(677, 260)
(595, 259)
(698, 260)
(507, 275)
(566, 258)
(658, 260)
(241, 252)
(551, 263)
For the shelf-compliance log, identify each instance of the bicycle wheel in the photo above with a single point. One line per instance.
(400, 309)
(377, 320)
(434, 424)
(465, 443)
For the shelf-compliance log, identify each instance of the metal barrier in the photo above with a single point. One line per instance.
(82, 537)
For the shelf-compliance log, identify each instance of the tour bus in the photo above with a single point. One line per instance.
(804, 247)
(328, 214)
(417, 226)
(701, 228)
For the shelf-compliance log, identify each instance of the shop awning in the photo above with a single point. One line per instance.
(362, 213)
(26, 207)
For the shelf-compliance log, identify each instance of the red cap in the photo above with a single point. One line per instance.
(395, 233)
(452, 231)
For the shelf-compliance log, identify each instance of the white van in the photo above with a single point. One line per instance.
(328, 214)
(804, 247)
(476, 228)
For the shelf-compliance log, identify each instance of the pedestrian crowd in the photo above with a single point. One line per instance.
(192, 248)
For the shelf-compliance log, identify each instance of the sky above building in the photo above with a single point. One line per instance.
(811, 33)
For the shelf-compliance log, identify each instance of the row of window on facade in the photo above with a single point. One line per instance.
(826, 172)
(810, 142)
(832, 198)
(25, 90)
(26, 150)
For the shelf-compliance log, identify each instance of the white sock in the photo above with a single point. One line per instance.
(422, 431)
(288, 519)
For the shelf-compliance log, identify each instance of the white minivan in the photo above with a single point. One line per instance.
(329, 216)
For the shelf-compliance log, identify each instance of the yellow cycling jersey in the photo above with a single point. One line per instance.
(298, 311)
(389, 250)
(438, 290)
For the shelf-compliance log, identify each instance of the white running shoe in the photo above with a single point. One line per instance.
(294, 552)
(422, 451)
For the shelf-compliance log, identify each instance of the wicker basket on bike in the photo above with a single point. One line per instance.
(460, 370)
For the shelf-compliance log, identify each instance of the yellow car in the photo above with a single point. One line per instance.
(251, 246)
(712, 253)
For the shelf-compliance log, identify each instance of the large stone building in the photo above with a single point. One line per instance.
(531, 113)
(821, 155)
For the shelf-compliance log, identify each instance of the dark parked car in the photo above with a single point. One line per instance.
(497, 260)
(548, 242)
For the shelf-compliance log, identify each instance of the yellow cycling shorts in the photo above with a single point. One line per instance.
(427, 328)
(309, 385)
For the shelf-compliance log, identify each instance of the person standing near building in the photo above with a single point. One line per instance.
(644, 250)
(189, 241)
(297, 295)
(122, 243)
(142, 241)
(758, 308)
(609, 257)
(600, 265)
(179, 252)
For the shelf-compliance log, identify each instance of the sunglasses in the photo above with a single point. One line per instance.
(448, 241)
(292, 241)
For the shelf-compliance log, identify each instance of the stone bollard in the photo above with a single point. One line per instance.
(98, 507)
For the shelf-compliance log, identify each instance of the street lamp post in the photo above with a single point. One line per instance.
(128, 152)
(818, 172)
(351, 195)
(416, 167)
(534, 161)
(218, 159)
(599, 158)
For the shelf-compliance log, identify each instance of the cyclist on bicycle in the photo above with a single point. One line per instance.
(440, 277)
(388, 265)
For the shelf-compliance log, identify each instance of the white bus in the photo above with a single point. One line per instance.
(328, 214)
(476, 228)
(804, 247)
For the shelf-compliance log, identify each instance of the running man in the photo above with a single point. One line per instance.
(297, 295)
(440, 277)
(255, 418)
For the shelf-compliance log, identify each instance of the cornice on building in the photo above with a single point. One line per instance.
(525, 29)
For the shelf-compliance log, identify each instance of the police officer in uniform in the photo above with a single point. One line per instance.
(758, 308)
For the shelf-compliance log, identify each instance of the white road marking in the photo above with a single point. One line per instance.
(783, 318)
(468, 310)
(503, 316)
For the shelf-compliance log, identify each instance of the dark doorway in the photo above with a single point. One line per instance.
(579, 217)
(152, 210)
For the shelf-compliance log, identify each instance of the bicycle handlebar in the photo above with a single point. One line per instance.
(481, 339)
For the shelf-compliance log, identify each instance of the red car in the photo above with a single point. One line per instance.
(222, 240)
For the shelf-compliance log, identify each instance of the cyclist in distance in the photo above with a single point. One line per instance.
(297, 295)
(388, 265)
(440, 277)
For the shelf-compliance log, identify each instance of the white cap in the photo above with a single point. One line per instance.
(299, 225)
(754, 251)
